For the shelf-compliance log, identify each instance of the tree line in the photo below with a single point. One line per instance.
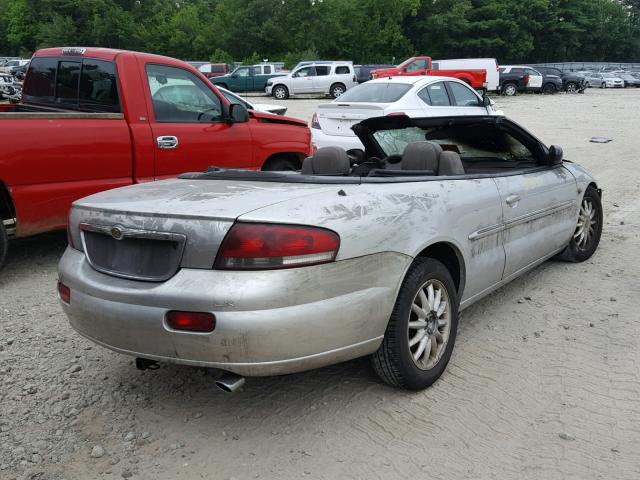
(365, 31)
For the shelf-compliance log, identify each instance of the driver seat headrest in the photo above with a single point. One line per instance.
(327, 161)
(421, 156)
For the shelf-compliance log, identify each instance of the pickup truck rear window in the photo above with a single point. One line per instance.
(84, 85)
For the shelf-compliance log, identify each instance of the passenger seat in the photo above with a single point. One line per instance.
(430, 157)
(327, 161)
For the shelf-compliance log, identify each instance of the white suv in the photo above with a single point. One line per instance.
(324, 79)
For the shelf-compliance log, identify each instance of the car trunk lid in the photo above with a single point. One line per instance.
(337, 118)
(148, 231)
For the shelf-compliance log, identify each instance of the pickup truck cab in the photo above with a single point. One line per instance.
(94, 119)
(477, 78)
(251, 78)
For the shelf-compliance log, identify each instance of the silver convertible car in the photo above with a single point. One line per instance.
(360, 253)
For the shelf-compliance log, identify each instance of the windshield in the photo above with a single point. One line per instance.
(375, 93)
(471, 142)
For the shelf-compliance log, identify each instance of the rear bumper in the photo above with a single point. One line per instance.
(320, 139)
(267, 323)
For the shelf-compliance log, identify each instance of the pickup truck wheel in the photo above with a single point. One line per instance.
(586, 236)
(422, 329)
(336, 90)
(549, 89)
(509, 89)
(572, 87)
(280, 164)
(4, 244)
(280, 92)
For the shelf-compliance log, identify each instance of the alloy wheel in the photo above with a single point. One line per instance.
(429, 324)
(585, 229)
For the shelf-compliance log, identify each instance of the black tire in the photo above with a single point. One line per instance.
(281, 164)
(280, 92)
(549, 89)
(575, 251)
(337, 89)
(394, 361)
(509, 89)
(603, 85)
(572, 87)
(4, 244)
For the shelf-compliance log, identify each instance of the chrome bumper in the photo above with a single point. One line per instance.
(267, 323)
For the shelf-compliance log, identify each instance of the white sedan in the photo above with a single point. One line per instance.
(420, 96)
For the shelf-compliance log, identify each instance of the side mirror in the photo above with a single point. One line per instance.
(238, 113)
(486, 101)
(555, 155)
(235, 75)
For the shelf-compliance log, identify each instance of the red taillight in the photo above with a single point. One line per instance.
(526, 79)
(64, 292)
(314, 121)
(191, 321)
(264, 246)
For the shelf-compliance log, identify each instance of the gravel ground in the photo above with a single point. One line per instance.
(544, 382)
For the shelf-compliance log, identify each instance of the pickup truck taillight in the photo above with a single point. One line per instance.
(526, 79)
(265, 246)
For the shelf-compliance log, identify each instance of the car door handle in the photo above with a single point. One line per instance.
(511, 200)
(167, 141)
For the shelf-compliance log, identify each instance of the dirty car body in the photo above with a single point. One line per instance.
(138, 253)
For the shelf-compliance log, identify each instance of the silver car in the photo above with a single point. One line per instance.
(361, 253)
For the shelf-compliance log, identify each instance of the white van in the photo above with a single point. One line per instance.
(489, 64)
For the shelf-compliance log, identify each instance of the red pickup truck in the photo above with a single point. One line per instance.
(423, 66)
(94, 119)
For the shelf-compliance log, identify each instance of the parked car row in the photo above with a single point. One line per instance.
(523, 78)
(619, 79)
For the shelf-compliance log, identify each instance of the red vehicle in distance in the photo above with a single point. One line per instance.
(424, 66)
(92, 119)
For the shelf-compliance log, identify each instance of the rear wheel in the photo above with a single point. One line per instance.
(603, 85)
(549, 89)
(280, 92)
(422, 329)
(281, 164)
(586, 236)
(4, 243)
(337, 89)
(509, 89)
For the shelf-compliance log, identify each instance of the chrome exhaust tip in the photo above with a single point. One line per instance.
(230, 382)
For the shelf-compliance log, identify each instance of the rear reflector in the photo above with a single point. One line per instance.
(264, 246)
(191, 321)
(64, 292)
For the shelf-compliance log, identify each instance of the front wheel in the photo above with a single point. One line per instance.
(572, 87)
(280, 92)
(586, 236)
(603, 85)
(421, 333)
(4, 243)
(509, 90)
(336, 90)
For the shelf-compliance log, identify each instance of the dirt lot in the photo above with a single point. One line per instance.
(544, 382)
